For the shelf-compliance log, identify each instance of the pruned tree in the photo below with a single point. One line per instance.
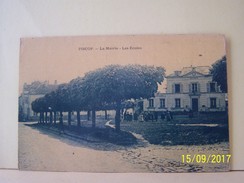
(78, 99)
(63, 102)
(40, 106)
(103, 89)
(116, 83)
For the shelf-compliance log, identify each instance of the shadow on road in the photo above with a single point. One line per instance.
(105, 139)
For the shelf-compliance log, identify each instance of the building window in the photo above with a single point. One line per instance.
(177, 103)
(162, 103)
(194, 87)
(213, 103)
(151, 103)
(177, 88)
(212, 87)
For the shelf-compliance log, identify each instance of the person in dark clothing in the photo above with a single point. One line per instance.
(156, 116)
(171, 115)
(168, 116)
(190, 113)
(162, 116)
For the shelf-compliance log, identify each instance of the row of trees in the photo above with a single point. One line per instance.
(109, 88)
(103, 89)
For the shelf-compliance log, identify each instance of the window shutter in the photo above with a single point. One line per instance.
(198, 87)
(173, 88)
(181, 88)
(189, 88)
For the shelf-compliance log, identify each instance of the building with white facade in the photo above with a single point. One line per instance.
(193, 89)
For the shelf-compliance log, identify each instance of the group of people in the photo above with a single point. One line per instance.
(153, 116)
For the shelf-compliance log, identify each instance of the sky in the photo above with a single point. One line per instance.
(65, 58)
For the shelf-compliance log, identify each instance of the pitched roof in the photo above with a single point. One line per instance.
(37, 88)
(204, 70)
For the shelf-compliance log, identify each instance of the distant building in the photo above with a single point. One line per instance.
(30, 93)
(192, 88)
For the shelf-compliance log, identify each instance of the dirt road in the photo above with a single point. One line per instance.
(54, 152)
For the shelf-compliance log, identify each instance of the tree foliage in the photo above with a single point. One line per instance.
(115, 83)
(219, 72)
(103, 89)
(118, 83)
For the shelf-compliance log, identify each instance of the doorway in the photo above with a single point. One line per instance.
(195, 104)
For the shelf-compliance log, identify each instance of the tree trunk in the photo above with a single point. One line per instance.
(55, 117)
(69, 118)
(51, 117)
(88, 115)
(61, 121)
(93, 118)
(78, 118)
(106, 114)
(117, 116)
(40, 117)
(45, 117)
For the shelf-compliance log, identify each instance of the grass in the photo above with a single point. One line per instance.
(173, 133)
(201, 118)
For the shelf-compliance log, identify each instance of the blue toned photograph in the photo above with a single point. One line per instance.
(141, 103)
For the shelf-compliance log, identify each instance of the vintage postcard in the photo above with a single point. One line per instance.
(141, 103)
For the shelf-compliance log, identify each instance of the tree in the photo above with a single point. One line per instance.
(63, 102)
(88, 91)
(77, 99)
(115, 83)
(103, 89)
(40, 105)
(58, 100)
(51, 105)
(219, 72)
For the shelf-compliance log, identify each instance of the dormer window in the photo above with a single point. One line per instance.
(177, 73)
